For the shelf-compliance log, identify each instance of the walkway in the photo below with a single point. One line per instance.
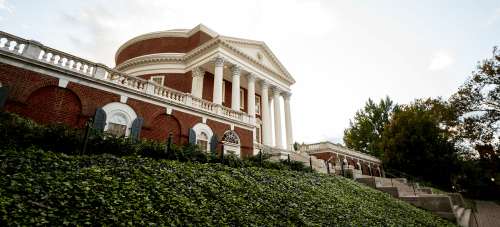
(488, 214)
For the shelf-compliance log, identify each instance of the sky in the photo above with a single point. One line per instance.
(340, 52)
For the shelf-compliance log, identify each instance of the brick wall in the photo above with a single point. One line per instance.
(37, 96)
(52, 105)
(186, 121)
(163, 45)
(162, 126)
(178, 81)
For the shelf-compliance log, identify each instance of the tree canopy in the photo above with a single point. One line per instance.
(477, 102)
(413, 142)
(365, 131)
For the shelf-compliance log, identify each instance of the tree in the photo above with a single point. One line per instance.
(365, 131)
(477, 102)
(414, 143)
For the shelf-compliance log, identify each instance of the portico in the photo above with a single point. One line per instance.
(269, 92)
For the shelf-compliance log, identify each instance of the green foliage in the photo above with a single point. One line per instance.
(414, 143)
(348, 174)
(21, 133)
(365, 131)
(55, 189)
(478, 103)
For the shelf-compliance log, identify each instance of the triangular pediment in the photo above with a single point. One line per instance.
(259, 51)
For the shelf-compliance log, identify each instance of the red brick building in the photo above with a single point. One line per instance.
(183, 81)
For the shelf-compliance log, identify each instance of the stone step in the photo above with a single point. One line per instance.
(455, 207)
(465, 218)
(460, 212)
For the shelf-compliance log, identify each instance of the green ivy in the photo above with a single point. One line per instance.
(22, 133)
(39, 188)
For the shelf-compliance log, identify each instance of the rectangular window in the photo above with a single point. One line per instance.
(257, 105)
(118, 130)
(242, 99)
(158, 79)
(257, 134)
(203, 144)
(223, 91)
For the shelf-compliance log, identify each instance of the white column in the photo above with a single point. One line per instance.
(251, 99)
(277, 116)
(271, 120)
(266, 132)
(288, 121)
(235, 93)
(219, 62)
(197, 85)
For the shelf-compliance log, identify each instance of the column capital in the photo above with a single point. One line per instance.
(287, 95)
(219, 61)
(251, 77)
(264, 84)
(236, 70)
(198, 71)
(276, 90)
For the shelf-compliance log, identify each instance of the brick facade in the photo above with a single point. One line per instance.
(39, 97)
(163, 45)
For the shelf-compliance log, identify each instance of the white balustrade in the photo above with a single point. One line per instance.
(169, 93)
(65, 60)
(13, 43)
(204, 104)
(228, 112)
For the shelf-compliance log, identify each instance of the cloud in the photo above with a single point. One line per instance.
(1, 18)
(441, 60)
(493, 17)
(6, 6)
(100, 28)
(25, 26)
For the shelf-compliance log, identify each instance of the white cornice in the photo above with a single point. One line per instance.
(215, 42)
(184, 33)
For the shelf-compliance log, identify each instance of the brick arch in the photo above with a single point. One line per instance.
(24, 96)
(80, 94)
(162, 126)
(52, 104)
(153, 114)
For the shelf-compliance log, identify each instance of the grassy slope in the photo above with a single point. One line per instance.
(39, 187)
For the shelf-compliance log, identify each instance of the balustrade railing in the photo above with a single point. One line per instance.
(36, 51)
(204, 104)
(336, 148)
(13, 43)
(66, 60)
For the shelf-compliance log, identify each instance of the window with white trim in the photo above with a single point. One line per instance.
(158, 79)
(257, 134)
(118, 124)
(202, 141)
(242, 99)
(223, 91)
(257, 105)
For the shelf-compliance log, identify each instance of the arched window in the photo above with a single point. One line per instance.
(231, 143)
(119, 118)
(204, 136)
(118, 123)
(230, 137)
(202, 140)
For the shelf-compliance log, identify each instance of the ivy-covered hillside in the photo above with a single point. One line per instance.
(55, 189)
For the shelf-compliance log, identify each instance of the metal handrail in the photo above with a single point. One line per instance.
(431, 184)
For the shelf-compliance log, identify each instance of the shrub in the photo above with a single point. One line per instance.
(17, 132)
(55, 189)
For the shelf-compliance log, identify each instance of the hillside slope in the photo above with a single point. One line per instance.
(45, 188)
